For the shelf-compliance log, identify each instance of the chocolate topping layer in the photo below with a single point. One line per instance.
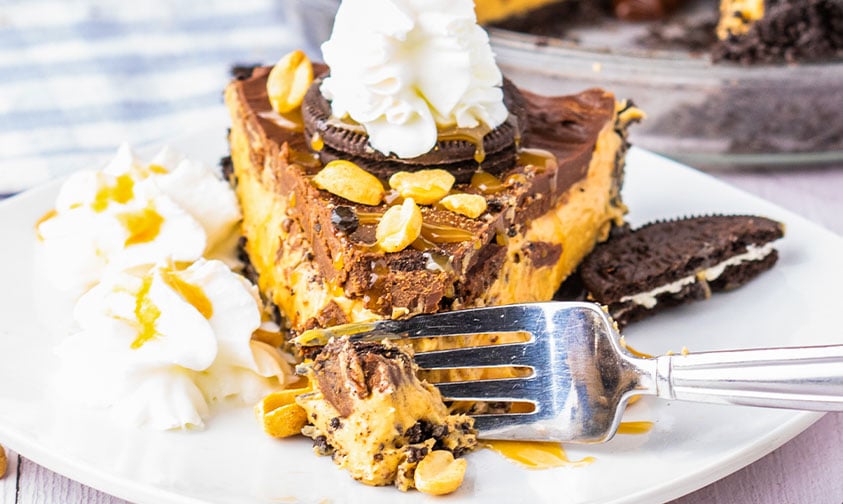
(346, 140)
(447, 272)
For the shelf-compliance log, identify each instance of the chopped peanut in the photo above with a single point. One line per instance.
(3, 461)
(347, 180)
(439, 473)
(280, 415)
(399, 226)
(426, 187)
(470, 205)
(288, 81)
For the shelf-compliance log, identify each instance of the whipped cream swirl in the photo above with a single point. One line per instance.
(161, 347)
(405, 69)
(132, 214)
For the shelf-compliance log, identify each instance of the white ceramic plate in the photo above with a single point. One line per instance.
(232, 461)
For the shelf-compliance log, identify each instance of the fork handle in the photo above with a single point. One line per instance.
(804, 378)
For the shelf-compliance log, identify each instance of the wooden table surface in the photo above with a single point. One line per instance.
(805, 470)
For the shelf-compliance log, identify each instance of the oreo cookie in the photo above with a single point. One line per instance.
(668, 263)
(339, 139)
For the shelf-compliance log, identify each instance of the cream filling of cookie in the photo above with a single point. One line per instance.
(648, 299)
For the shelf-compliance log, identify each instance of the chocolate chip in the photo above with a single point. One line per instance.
(227, 167)
(336, 424)
(495, 205)
(242, 71)
(416, 454)
(439, 431)
(344, 218)
(320, 444)
(276, 314)
(414, 434)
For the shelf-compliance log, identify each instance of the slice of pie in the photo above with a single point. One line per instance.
(314, 254)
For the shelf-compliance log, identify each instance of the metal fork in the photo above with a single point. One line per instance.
(582, 378)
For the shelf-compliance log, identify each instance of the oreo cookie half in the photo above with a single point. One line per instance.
(668, 263)
(461, 157)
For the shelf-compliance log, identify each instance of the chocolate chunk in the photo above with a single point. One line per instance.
(227, 168)
(320, 444)
(344, 218)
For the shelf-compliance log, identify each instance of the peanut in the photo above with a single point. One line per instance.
(439, 473)
(426, 187)
(399, 226)
(3, 461)
(280, 415)
(288, 81)
(347, 180)
(470, 205)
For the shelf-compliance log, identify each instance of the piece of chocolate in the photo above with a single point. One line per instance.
(667, 263)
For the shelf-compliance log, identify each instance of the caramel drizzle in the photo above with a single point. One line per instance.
(430, 233)
(546, 455)
(539, 158)
(641, 427)
(471, 135)
(536, 455)
(317, 143)
(486, 183)
(292, 120)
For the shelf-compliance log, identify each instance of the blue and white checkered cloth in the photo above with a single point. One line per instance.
(77, 78)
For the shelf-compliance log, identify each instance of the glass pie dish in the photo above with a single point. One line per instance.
(711, 115)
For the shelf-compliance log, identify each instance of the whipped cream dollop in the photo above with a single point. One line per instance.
(161, 347)
(134, 213)
(404, 69)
